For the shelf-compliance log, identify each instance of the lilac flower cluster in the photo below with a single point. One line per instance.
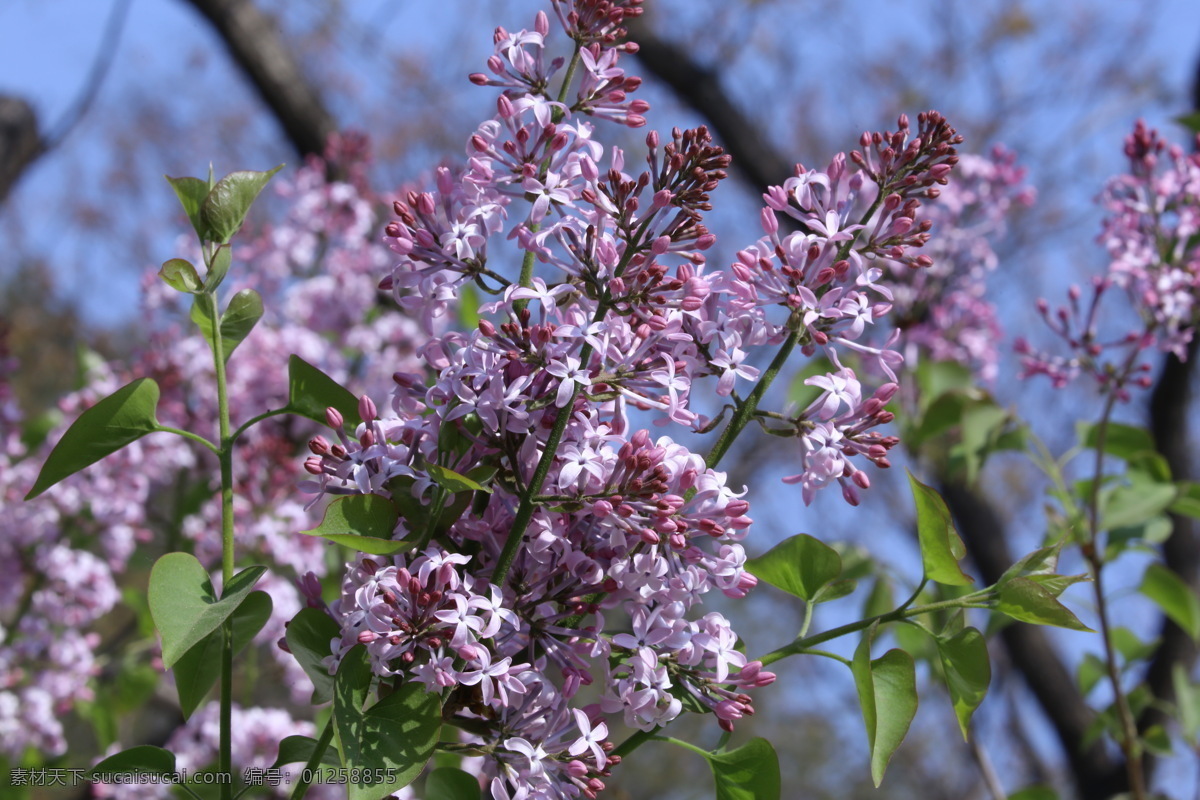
(586, 556)
(942, 311)
(1153, 215)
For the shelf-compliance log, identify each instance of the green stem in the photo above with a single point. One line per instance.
(189, 435)
(314, 761)
(1130, 744)
(745, 411)
(569, 77)
(255, 420)
(528, 502)
(803, 644)
(225, 456)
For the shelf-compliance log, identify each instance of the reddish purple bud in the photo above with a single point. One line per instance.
(312, 465)
(319, 445)
(366, 409)
(334, 418)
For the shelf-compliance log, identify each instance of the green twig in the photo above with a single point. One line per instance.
(314, 761)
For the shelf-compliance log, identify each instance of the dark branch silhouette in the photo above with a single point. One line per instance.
(20, 142)
(255, 44)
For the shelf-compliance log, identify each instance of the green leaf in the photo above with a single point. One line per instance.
(1187, 502)
(185, 606)
(1187, 703)
(243, 313)
(453, 482)
(365, 522)
(880, 600)
(180, 275)
(311, 391)
(218, 267)
(1130, 646)
(1174, 597)
(964, 659)
(1128, 506)
(1042, 561)
(224, 209)
(1037, 792)
(308, 638)
(448, 783)
(199, 668)
(1090, 672)
(941, 547)
(398, 733)
(1190, 121)
(751, 772)
(801, 566)
(123, 417)
(144, 760)
(1126, 442)
(468, 307)
(191, 193)
(1158, 741)
(887, 693)
(299, 749)
(1057, 584)
(982, 424)
(936, 378)
(1026, 601)
(201, 314)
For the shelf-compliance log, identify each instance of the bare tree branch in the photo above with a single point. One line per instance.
(699, 87)
(20, 142)
(253, 39)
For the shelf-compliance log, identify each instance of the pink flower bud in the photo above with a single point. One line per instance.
(334, 418)
(366, 409)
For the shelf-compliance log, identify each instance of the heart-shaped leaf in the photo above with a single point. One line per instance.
(181, 276)
(751, 772)
(396, 735)
(185, 606)
(198, 669)
(801, 566)
(1024, 600)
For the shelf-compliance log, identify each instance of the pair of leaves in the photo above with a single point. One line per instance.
(395, 737)
(190, 617)
(804, 567)
(244, 311)
(218, 211)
